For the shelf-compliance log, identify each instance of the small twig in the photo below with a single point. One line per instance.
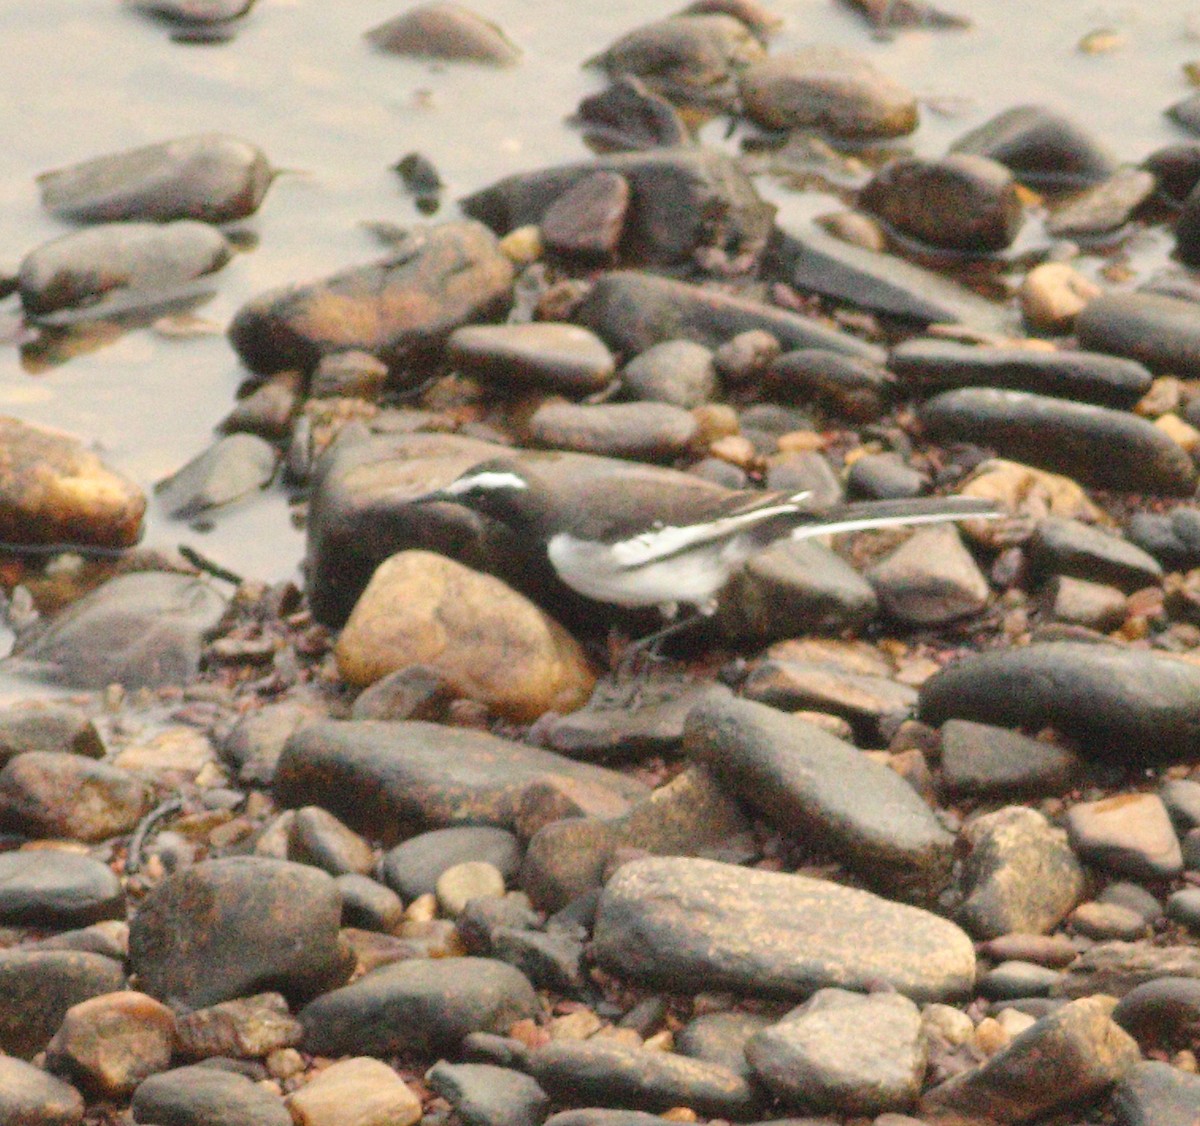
(208, 566)
(133, 854)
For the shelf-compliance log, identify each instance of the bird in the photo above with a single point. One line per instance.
(627, 542)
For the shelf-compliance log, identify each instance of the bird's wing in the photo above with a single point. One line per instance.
(661, 543)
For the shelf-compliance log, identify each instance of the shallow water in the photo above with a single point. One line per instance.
(79, 78)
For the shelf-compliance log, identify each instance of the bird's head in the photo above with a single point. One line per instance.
(499, 488)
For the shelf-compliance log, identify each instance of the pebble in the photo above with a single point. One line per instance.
(355, 1092)
(193, 1095)
(369, 905)
(318, 838)
(1019, 876)
(884, 476)
(1183, 907)
(930, 579)
(1106, 921)
(721, 1038)
(472, 879)
(1104, 208)
(1161, 1013)
(47, 888)
(418, 1007)
(562, 358)
(1160, 332)
(1052, 295)
(586, 223)
(679, 372)
(628, 115)
(1070, 547)
(485, 1095)
(230, 469)
(1130, 834)
(654, 432)
(1080, 603)
(844, 1053)
(851, 387)
(1116, 968)
(414, 867)
(982, 761)
(1152, 1093)
(245, 1028)
(445, 31)
(264, 923)
(700, 924)
(29, 1095)
(1015, 979)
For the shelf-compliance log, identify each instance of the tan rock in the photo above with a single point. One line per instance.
(109, 1044)
(489, 641)
(1029, 494)
(1052, 296)
(355, 1092)
(53, 490)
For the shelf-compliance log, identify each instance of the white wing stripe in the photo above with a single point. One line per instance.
(646, 547)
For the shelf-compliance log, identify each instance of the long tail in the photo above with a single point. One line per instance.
(860, 515)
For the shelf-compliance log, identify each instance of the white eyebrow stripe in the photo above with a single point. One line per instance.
(490, 480)
(647, 547)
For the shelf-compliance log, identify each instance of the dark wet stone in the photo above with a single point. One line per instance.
(82, 267)
(693, 60)
(1095, 445)
(926, 365)
(420, 1007)
(795, 587)
(1172, 538)
(845, 1053)
(1161, 1013)
(368, 905)
(231, 468)
(602, 1073)
(848, 386)
(1187, 231)
(46, 888)
(415, 692)
(318, 838)
(698, 924)
(585, 224)
(628, 115)
(816, 262)
(413, 867)
(1161, 332)
(224, 928)
(1042, 148)
(807, 782)
(830, 89)
(30, 1097)
(141, 630)
(640, 431)
(1186, 112)
(1020, 874)
(1125, 704)
(981, 761)
(552, 961)
(400, 310)
(1181, 796)
(679, 372)
(1116, 968)
(885, 476)
(209, 177)
(1183, 907)
(421, 179)
(559, 357)
(445, 31)
(930, 579)
(195, 13)
(681, 198)
(1089, 1054)
(269, 410)
(1156, 1094)
(1069, 547)
(1104, 208)
(199, 1096)
(391, 780)
(1176, 169)
(892, 15)
(485, 1095)
(959, 202)
(1013, 979)
(256, 741)
(37, 987)
(633, 311)
(481, 918)
(55, 794)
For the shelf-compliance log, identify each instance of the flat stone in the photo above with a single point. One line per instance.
(930, 579)
(1116, 968)
(603, 1073)
(355, 1092)
(445, 31)
(223, 928)
(420, 1007)
(698, 924)
(47, 888)
(679, 372)
(632, 311)
(846, 385)
(394, 780)
(982, 761)
(1020, 875)
(413, 867)
(210, 177)
(641, 431)
(1162, 1013)
(808, 783)
(29, 1095)
(1070, 547)
(1122, 704)
(400, 310)
(1157, 1094)
(629, 115)
(1078, 602)
(141, 630)
(844, 1053)
(1089, 1053)
(1096, 445)
(485, 1095)
(1111, 381)
(721, 1038)
(1014, 980)
(586, 223)
(1161, 332)
(244, 1028)
(232, 468)
(1105, 921)
(1127, 833)
(318, 838)
(37, 987)
(1104, 208)
(193, 1096)
(564, 358)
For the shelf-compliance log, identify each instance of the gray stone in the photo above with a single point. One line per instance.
(885, 476)
(199, 1096)
(846, 385)
(1020, 874)
(930, 579)
(721, 1038)
(1130, 834)
(1104, 208)
(230, 469)
(485, 1095)
(447, 32)
(420, 1007)
(982, 761)
(1095, 445)
(809, 783)
(30, 1097)
(697, 924)
(1161, 332)
(679, 372)
(1157, 1094)
(641, 431)
(844, 1053)
(413, 867)
(1069, 547)
(1162, 1013)
(318, 838)
(369, 905)
(47, 888)
(559, 357)
(1015, 979)
(1116, 968)
(1077, 602)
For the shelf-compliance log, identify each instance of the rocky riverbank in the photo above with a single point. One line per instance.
(907, 832)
